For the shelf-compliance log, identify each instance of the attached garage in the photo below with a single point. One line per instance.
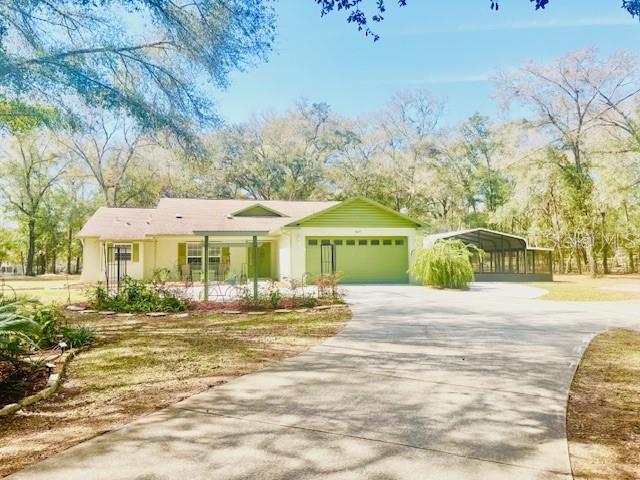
(375, 259)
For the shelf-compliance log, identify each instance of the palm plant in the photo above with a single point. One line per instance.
(16, 329)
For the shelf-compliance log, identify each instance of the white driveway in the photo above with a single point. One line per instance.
(421, 384)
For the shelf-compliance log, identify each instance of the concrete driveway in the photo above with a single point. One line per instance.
(422, 384)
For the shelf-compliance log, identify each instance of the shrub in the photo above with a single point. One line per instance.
(80, 336)
(328, 287)
(445, 264)
(137, 297)
(49, 320)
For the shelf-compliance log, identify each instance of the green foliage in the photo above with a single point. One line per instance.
(96, 51)
(77, 337)
(445, 264)
(17, 330)
(137, 297)
(49, 320)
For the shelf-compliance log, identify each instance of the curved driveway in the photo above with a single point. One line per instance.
(421, 384)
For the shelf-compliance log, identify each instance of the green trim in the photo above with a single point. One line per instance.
(135, 252)
(357, 212)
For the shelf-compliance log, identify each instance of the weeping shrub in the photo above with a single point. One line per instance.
(445, 264)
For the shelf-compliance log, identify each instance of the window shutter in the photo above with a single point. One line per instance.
(110, 252)
(135, 253)
(182, 254)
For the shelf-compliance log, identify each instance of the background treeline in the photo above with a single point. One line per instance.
(565, 173)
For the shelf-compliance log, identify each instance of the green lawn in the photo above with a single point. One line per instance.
(47, 288)
(582, 288)
(141, 364)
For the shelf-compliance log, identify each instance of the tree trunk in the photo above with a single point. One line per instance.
(632, 266)
(579, 260)
(69, 242)
(31, 252)
(53, 263)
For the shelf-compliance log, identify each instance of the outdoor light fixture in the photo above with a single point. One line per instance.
(50, 367)
(62, 346)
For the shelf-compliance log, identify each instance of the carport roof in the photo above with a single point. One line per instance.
(488, 240)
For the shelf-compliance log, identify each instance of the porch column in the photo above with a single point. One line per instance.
(255, 267)
(205, 266)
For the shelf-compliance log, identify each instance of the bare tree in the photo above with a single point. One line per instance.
(112, 149)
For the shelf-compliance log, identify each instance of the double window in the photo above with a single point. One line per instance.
(195, 251)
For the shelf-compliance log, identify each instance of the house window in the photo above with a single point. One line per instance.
(362, 242)
(122, 252)
(375, 242)
(313, 242)
(399, 242)
(337, 242)
(194, 255)
(386, 242)
(326, 242)
(351, 243)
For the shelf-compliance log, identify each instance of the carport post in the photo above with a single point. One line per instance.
(255, 267)
(205, 270)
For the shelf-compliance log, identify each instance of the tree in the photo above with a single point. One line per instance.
(27, 174)
(567, 101)
(117, 153)
(147, 58)
(282, 157)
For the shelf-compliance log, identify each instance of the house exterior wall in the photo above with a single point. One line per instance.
(91, 259)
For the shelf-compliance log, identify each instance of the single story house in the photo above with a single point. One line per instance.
(284, 240)
(504, 257)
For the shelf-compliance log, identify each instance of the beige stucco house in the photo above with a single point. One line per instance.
(365, 241)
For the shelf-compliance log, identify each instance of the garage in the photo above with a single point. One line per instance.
(359, 259)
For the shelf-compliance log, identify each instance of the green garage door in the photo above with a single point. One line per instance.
(360, 260)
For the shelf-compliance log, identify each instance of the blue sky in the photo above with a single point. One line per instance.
(448, 47)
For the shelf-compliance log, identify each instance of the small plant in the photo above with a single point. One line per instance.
(275, 295)
(328, 287)
(49, 319)
(445, 264)
(77, 337)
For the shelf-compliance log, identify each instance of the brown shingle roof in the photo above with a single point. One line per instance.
(118, 224)
(182, 216)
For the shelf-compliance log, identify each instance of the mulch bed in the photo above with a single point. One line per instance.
(19, 380)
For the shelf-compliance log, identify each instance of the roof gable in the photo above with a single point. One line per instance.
(357, 212)
(257, 210)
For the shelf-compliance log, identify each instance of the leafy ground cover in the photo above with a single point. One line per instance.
(141, 364)
(584, 288)
(603, 423)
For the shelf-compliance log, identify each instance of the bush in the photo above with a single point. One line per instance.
(137, 297)
(80, 336)
(445, 264)
(328, 287)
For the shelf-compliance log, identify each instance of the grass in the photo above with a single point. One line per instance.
(603, 423)
(47, 288)
(583, 288)
(142, 364)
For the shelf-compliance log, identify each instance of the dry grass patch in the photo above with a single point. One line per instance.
(142, 364)
(584, 288)
(603, 423)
